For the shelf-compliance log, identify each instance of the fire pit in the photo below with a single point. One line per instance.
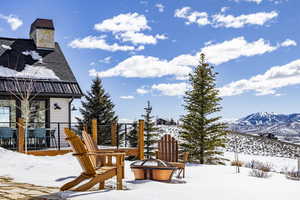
(153, 169)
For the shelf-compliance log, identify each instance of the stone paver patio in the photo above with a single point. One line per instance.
(10, 190)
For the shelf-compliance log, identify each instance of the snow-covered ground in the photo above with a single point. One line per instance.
(202, 181)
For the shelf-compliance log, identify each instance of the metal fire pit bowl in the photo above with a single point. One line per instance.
(153, 169)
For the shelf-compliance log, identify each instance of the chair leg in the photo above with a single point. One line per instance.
(76, 181)
(87, 185)
(101, 185)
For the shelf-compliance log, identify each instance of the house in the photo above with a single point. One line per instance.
(36, 66)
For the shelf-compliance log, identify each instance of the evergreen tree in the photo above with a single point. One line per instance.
(202, 133)
(133, 135)
(151, 132)
(98, 105)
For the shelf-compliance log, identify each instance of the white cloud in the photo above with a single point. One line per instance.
(259, 1)
(288, 42)
(224, 9)
(200, 18)
(127, 97)
(265, 84)
(222, 20)
(179, 67)
(123, 23)
(142, 67)
(139, 38)
(160, 7)
(254, 1)
(128, 28)
(106, 60)
(13, 21)
(142, 90)
(171, 89)
(94, 42)
(230, 21)
(232, 49)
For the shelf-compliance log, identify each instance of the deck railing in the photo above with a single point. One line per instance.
(50, 136)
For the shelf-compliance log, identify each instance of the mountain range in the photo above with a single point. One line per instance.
(286, 127)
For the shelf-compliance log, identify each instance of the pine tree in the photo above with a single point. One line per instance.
(202, 133)
(133, 135)
(151, 132)
(98, 105)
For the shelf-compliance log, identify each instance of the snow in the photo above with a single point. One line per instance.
(6, 47)
(34, 55)
(36, 72)
(202, 181)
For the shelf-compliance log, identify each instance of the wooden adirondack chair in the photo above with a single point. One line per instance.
(92, 147)
(90, 170)
(168, 151)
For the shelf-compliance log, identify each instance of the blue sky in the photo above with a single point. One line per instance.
(144, 49)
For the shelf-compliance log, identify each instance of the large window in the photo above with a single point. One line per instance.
(7, 113)
(37, 115)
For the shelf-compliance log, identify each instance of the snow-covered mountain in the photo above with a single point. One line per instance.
(285, 127)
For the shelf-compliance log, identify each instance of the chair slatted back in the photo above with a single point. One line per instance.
(91, 146)
(168, 149)
(87, 165)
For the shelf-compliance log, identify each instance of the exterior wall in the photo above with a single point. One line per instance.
(61, 117)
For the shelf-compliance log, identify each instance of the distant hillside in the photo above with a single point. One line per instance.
(284, 127)
(249, 144)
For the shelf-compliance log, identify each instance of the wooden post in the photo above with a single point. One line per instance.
(119, 164)
(21, 135)
(114, 134)
(94, 130)
(141, 139)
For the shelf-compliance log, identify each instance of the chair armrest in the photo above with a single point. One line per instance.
(105, 154)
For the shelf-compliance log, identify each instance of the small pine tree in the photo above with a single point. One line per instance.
(203, 134)
(98, 105)
(151, 132)
(133, 135)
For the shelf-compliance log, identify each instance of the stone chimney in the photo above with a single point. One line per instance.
(42, 32)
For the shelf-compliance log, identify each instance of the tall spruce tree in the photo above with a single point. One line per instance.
(202, 133)
(133, 135)
(151, 132)
(98, 105)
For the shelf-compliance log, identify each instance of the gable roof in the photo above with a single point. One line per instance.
(12, 57)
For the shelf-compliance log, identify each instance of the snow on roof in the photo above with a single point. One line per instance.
(6, 47)
(36, 72)
(34, 55)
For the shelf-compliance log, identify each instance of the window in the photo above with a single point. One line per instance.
(4, 116)
(7, 113)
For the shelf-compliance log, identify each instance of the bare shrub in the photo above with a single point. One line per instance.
(259, 173)
(293, 175)
(237, 163)
(263, 166)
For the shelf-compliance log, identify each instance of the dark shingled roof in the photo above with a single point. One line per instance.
(52, 59)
